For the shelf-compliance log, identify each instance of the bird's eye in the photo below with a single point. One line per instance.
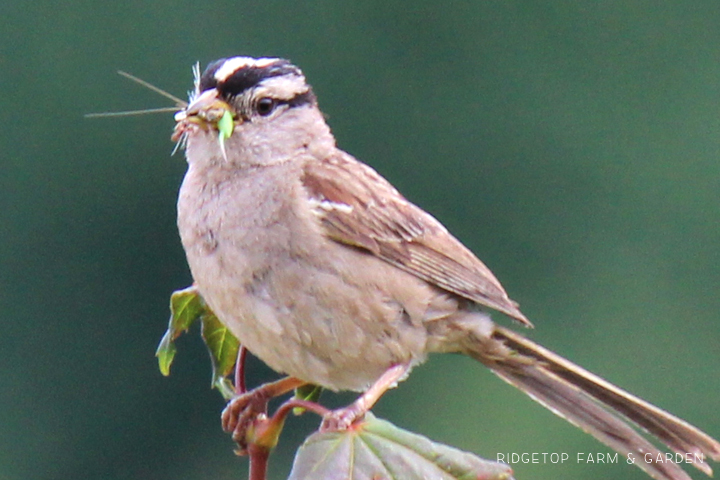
(265, 106)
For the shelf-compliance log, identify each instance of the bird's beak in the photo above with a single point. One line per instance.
(207, 111)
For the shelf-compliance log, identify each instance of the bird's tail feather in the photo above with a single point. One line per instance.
(588, 401)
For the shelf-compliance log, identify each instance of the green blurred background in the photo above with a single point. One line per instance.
(573, 145)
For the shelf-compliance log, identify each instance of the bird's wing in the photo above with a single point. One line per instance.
(357, 207)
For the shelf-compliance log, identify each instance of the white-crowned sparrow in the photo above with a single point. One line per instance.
(326, 273)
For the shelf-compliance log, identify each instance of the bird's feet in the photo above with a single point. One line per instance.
(242, 411)
(342, 418)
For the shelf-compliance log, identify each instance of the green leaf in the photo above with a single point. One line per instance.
(223, 348)
(308, 392)
(378, 450)
(186, 306)
(166, 353)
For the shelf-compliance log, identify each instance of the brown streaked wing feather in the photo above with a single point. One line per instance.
(360, 208)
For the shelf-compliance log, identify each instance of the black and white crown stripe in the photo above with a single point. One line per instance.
(234, 76)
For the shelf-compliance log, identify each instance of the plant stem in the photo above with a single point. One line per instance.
(258, 462)
(240, 386)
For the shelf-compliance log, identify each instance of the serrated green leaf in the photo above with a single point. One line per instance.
(223, 348)
(186, 306)
(378, 450)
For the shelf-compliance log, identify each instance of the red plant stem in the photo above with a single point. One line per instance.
(286, 407)
(258, 462)
(240, 386)
(260, 454)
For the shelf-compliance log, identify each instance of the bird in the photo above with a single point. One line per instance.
(326, 273)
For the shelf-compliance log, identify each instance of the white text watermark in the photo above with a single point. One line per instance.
(597, 457)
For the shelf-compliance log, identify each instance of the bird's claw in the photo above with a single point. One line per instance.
(240, 413)
(342, 419)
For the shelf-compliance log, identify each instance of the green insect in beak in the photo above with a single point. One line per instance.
(225, 127)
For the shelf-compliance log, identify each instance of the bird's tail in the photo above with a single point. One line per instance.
(590, 403)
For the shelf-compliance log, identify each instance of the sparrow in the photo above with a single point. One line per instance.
(325, 272)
